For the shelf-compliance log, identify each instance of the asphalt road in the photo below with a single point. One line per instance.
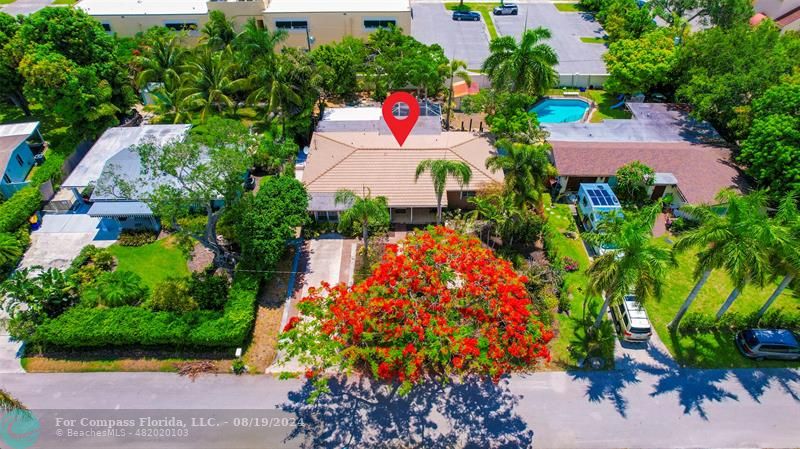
(467, 41)
(567, 28)
(25, 6)
(646, 404)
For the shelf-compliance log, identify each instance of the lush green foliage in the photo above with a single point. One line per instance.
(209, 290)
(115, 289)
(509, 117)
(527, 66)
(65, 62)
(267, 220)
(136, 238)
(527, 169)
(723, 13)
(624, 19)
(734, 322)
(16, 211)
(724, 70)
(443, 306)
(772, 149)
(365, 214)
(337, 67)
(10, 248)
(633, 180)
(171, 295)
(84, 327)
(638, 65)
(440, 170)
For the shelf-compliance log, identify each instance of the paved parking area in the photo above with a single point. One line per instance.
(567, 29)
(467, 41)
(25, 6)
(61, 238)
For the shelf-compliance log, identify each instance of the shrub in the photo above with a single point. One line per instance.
(209, 290)
(694, 323)
(238, 367)
(681, 224)
(84, 327)
(171, 295)
(697, 323)
(570, 265)
(115, 289)
(15, 212)
(49, 171)
(136, 238)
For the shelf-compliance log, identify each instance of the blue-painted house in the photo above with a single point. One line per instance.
(19, 142)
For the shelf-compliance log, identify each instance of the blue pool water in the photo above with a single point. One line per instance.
(560, 110)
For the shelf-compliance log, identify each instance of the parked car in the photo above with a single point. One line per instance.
(632, 322)
(506, 9)
(466, 15)
(760, 344)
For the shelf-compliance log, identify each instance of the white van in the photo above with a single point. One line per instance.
(632, 322)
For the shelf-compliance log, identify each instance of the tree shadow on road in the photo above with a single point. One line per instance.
(359, 413)
(610, 385)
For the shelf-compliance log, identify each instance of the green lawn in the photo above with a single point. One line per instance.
(593, 40)
(486, 12)
(154, 262)
(568, 7)
(65, 2)
(604, 102)
(571, 342)
(709, 350)
(6, 2)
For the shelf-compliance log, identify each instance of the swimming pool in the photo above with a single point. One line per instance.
(560, 110)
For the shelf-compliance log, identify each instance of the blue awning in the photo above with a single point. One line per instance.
(120, 209)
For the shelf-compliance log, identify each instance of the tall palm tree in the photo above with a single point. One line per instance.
(10, 249)
(283, 91)
(211, 81)
(440, 170)
(258, 44)
(785, 258)
(526, 67)
(170, 100)
(637, 265)
(526, 168)
(720, 239)
(164, 57)
(754, 237)
(363, 210)
(218, 31)
(456, 68)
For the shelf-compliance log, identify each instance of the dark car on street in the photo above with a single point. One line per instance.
(466, 15)
(760, 344)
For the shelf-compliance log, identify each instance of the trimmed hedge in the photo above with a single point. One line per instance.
(82, 327)
(49, 171)
(698, 323)
(15, 212)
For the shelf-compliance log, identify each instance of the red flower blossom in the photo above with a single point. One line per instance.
(293, 321)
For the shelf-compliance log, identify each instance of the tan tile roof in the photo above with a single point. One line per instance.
(701, 170)
(355, 160)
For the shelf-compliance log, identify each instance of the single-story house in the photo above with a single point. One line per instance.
(112, 160)
(19, 143)
(692, 173)
(361, 153)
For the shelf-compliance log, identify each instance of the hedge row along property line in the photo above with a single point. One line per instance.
(15, 212)
(83, 327)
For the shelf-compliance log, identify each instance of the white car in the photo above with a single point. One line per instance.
(632, 322)
(506, 9)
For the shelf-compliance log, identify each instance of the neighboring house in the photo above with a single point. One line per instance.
(353, 149)
(689, 162)
(19, 143)
(111, 163)
(785, 13)
(308, 22)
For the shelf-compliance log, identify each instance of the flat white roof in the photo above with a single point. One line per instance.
(352, 114)
(115, 140)
(306, 6)
(143, 7)
(18, 129)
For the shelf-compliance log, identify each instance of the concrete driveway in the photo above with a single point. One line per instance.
(25, 6)
(10, 349)
(567, 29)
(61, 238)
(467, 41)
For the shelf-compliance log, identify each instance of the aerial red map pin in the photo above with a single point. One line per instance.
(401, 127)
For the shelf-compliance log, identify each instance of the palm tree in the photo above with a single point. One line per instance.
(456, 68)
(165, 57)
(8, 403)
(526, 168)
(170, 100)
(283, 90)
(258, 44)
(498, 208)
(10, 249)
(363, 210)
(211, 81)
(785, 258)
(526, 67)
(440, 169)
(637, 265)
(218, 31)
(754, 237)
(723, 243)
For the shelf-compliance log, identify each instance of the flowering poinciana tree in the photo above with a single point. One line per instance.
(438, 304)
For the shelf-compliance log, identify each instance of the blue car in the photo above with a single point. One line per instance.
(760, 344)
(466, 15)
